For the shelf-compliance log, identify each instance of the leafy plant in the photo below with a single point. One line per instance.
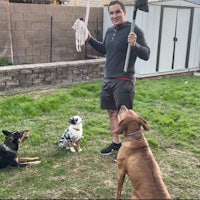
(5, 62)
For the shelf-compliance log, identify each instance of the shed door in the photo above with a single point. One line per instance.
(174, 39)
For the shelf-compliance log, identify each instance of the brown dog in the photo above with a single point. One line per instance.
(136, 159)
(8, 150)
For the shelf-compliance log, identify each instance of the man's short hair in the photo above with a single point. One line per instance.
(117, 2)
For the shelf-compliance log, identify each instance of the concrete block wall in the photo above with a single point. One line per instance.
(5, 31)
(18, 78)
(27, 29)
(93, 3)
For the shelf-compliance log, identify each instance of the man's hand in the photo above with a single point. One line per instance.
(132, 38)
(89, 36)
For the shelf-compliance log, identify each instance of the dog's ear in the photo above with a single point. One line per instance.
(10, 138)
(6, 133)
(71, 120)
(143, 123)
(121, 127)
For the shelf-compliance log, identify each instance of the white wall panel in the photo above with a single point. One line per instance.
(194, 58)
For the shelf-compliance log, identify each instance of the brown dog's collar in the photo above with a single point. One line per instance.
(133, 133)
(76, 129)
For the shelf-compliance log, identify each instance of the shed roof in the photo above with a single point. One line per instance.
(194, 1)
(184, 3)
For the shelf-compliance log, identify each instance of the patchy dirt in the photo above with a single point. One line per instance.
(180, 172)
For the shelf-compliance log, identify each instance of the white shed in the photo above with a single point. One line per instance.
(172, 31)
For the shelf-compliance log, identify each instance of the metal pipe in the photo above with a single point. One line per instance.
(51, 39)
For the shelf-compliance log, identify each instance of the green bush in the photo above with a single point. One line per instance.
(5, 62)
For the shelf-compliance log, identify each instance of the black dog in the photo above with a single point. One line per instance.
(8, 150)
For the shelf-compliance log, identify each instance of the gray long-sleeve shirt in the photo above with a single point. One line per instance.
(115, 45)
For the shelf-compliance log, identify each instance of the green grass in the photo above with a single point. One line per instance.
(5, 62)
(170, 106)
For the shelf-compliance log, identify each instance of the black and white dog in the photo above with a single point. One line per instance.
(72, 135)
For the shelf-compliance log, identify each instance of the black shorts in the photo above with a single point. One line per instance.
(115, 93)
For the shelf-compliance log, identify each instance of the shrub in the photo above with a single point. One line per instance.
(5, 62)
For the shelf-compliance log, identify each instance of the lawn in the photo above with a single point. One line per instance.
(170, 106)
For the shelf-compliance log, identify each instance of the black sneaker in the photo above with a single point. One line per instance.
(113, 147)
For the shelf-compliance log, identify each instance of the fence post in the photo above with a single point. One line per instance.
(51, 39)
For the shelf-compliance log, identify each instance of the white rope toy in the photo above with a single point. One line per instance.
(81, 31)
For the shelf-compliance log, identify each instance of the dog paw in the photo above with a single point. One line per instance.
(35, 158)
(36, 162)
(79, 150)
(72, 149)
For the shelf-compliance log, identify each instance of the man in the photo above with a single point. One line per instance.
(118, 86)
